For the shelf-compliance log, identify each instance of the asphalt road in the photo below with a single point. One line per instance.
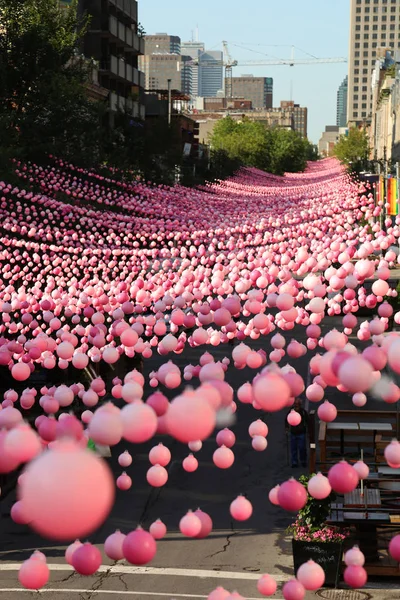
(234, 555)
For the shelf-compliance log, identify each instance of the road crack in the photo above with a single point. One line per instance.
(225, 546)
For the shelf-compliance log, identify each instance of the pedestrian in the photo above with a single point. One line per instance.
(297, 435)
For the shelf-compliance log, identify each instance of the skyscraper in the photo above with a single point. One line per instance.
(211, 73)
(192, 50)
(341, 109)
(162, 43)
(374, 27)
(162, 61)
(256, 89)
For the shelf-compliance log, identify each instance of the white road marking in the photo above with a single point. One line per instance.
(171, 596)
(132, 570)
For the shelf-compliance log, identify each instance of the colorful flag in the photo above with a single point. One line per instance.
(393, 196)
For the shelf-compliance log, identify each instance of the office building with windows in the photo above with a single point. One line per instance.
(191, 52)
(257, 89)
(299, 114)
(341, 104)
(211, 73)
(162, 43)
(374, 28)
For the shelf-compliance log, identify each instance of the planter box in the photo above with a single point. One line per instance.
(326, 554)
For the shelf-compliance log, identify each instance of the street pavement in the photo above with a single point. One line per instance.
(234, 555)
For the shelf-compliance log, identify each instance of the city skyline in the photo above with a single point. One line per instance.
(312, 86)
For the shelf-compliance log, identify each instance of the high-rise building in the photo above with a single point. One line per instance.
(341, 105)
(158, 68)
(257, 89)
(300, 116)
(374, 26)
(211, 73)
(112, 40)
(191, 50)
(162, 43)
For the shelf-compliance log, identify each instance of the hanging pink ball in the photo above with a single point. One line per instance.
(293, 590)
(125, 459)
(106, 426)
(259, 443)
(86, 559)
(190, 418)
(273, 495)
(394, 548)
(195, 446)
(327, 412)
(354, 556)
(206, 524)
(292, 495)
(20, 371)
(271, 392)
(113, 545)
(359, 399)
(190, 524)
(293, 418)
(33, 574)
(258, 428)
(160, 455)
(139, 547)
(157, 476)
(226, 437)
(139, 422)
(241, 509)
(355, 576)
(19, 514)
(315, 392)
(356, 374)
(69, 476)
(23, 443)
(343, 477)
(70, 550)
(319, 486)
(311, 575)
(267, 585)
(223, 457)
(218, 594)
(392, 454)
(158, 530)
(361, 469)
(124, 482)
(190, 463)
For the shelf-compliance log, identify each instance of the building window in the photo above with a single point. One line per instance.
(356, 53)
(356, 62)
(364, 79)
(363, 115)
(355, 89)
(364, 97)
(357, 36)
(355, 106)
(358, 19)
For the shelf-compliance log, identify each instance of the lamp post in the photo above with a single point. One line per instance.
(169, 102)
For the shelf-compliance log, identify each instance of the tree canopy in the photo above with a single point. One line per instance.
(255, 145)
(353, 149)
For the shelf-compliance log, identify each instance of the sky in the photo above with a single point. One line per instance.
(268, 27)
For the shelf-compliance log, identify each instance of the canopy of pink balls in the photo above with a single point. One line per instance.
(93, 269)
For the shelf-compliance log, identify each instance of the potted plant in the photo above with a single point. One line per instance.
(314, 539)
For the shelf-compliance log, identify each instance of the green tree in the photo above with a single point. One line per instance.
(288, 152)
(353, 149)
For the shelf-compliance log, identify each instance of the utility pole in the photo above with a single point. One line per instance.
(169, 102)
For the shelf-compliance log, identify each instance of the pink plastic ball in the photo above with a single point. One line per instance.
(271, 392)
(33, 574)
(157, 476)
(125, 459)
(86, 559)
(258, 428)
(124, 482)
(292, 495)
(70, 550)
(394, 548)
(311, 575)
(293, 590)
(343, 477)
(361, 469)
(139, 422)
(226, 437)
(223, 457)
(327, 412)
(319, 486)
(392, 454)
(190, 463)
(267, 585)
(241, 509)
(190, 525)
(354, 556)
(206, 524)
(113, 545)
(158, 530)
(355, 576)
(259, 443)
(273, 495)
(160, 455)
(293, 418)
(139, 547)
(190, 418)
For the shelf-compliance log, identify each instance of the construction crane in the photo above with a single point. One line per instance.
(229, 63)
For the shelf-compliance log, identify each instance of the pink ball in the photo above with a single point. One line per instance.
(354, 556)
(258, 428)
(139, 547)
(241, 509)
(106, 426)
(20, 371)
(113, 545)
(226, 437)
(361, 469)
(343, 477)
(356, 374)
(33, 574)
(273, 495)
(218, 594)
(160, 455)
(293, 418)
(124, 482)
(19, 514)
(158, 530)
(293, 590)
(190, 524)
(86, 559)
(315, 392)
(355, 576)
(125, 459)
(69, 476)
(267, 585)
(139, 422)
(190, 463)
(206, 524)
(394, 548)
(392, 454)
(259, 443)
(157, 476)
(23, 443)
(195, 446)
(319, 486)
(311, 575)
(292, 495)
(327, 412)
(70, 550)
(223, 457)
(190, 418)
(271, 392)
(359, 399)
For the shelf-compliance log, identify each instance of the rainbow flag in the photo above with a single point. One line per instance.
(393, 196)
